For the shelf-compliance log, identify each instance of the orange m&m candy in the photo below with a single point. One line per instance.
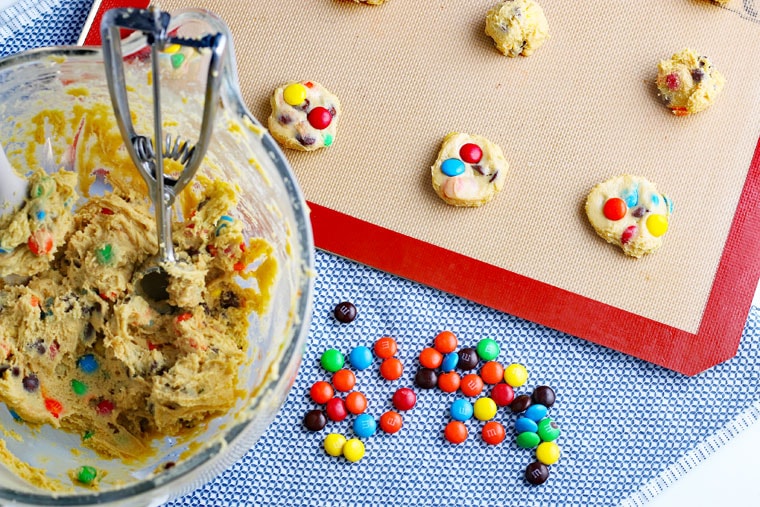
(471, 385)
(321, 392)
(344, 380)
(455, 432)
(614, 209)
(431, 358)
(492, 372)
(445, 342)
(493, 433)
(449, 382)
(385, 347)
(391, 422)
(356, 402)
(391, 369)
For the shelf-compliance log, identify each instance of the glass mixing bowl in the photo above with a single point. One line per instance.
(271, 207)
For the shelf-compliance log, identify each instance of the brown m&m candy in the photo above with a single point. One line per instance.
(520, 404)
(468, 359)
(543, 395)
(315, 420)
(426, 378)
(536, 473)
(345, 312)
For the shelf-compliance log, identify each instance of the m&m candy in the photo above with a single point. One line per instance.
(536, 412)
(488, 349)
(344, 380)
(431, 358)
(493, 433)
(484, 409)
(336, 409)
(321, 392)
(391, 369)
(614, 209)
(547, 453)
(360, 358)
(502, 394)
(452, 167)
(319, 118)
(449, 382)
(314, 420)
(365, 426)
(333, 444)
(356, 402)
(353, 450)
(391, 422)
(515, 375)
(385, 347)
(472, 385)
(548, 430)
(470, 153)
(332, 360)
(445, 342)
(404, 399)
(461, 410)
(455, 432)
(294, 94)
(449, 362)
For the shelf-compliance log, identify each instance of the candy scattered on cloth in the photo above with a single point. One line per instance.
(641, 418)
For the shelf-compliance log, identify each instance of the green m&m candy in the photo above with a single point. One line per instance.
(487, 349)
(528, 440)
(548, 430)
(86, 474)
(332, 360)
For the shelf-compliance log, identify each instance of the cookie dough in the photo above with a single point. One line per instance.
(629, 212)
(517, 27)
(469, 171)
(688, 83)
(81, 351)
(304, 116)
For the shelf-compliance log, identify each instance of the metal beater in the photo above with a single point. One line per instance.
(152, 280)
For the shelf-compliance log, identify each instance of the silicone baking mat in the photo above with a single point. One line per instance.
(582, 109)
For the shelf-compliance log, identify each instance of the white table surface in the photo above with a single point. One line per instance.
(730, 476)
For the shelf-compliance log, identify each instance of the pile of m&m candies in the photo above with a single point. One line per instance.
(355, 402)
(533, 427)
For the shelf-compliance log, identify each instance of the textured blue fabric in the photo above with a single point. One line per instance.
(623, 421)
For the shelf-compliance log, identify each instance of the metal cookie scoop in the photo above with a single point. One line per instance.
(152, 280)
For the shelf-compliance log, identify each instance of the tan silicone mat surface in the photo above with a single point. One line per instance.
(583, 108)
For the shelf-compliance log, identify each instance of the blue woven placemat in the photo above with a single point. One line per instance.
(629, 428)
(624, 422)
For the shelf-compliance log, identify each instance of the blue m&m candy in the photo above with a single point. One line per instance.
(452, 167)
(461, 410)
(536, 412)
(449, 362)
(360, 358)
(523, 424)
(365, 426)
(87, 363)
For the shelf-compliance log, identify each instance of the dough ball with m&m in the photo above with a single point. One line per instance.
(304, 116)
(517, 27)
(629, 212)
(469, 171)
(688, 82)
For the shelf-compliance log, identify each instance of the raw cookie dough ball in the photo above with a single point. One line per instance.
(517, 27)
(629, 212)
(469, 171)
(304, 116)
(688, 83)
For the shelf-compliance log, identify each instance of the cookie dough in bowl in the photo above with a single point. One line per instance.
(688, 82)
(629, 212)
(469, 171)
(108, 398)
(517, 27)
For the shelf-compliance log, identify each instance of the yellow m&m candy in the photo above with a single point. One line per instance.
(353, 450)
(657, 225)
(294, 94)
(334, 443)
(515, 375)
(547, 453)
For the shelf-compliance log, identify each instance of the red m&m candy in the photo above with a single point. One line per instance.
(615, 208)
(470, 153)
(319, 118)
(404, 399)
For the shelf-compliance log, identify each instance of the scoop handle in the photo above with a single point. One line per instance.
(13, 187)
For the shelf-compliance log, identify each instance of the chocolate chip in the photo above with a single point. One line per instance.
(493, 177)
(39, 346)
(305, 140)
(345, 312)
(479, 168)
(88, 332)
(31, 383)
(520, 404)
(314, 420)
(426, 378)
(638, 212)
(168, 465)
(697, 75)
(468, 359)
(332, 110)
(543, 395)
(15, 371)
(304, 106)
(3, 369)
(536, 473)
(284, 119)
(229, 299)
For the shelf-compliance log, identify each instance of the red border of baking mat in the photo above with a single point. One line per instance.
(716, 340)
